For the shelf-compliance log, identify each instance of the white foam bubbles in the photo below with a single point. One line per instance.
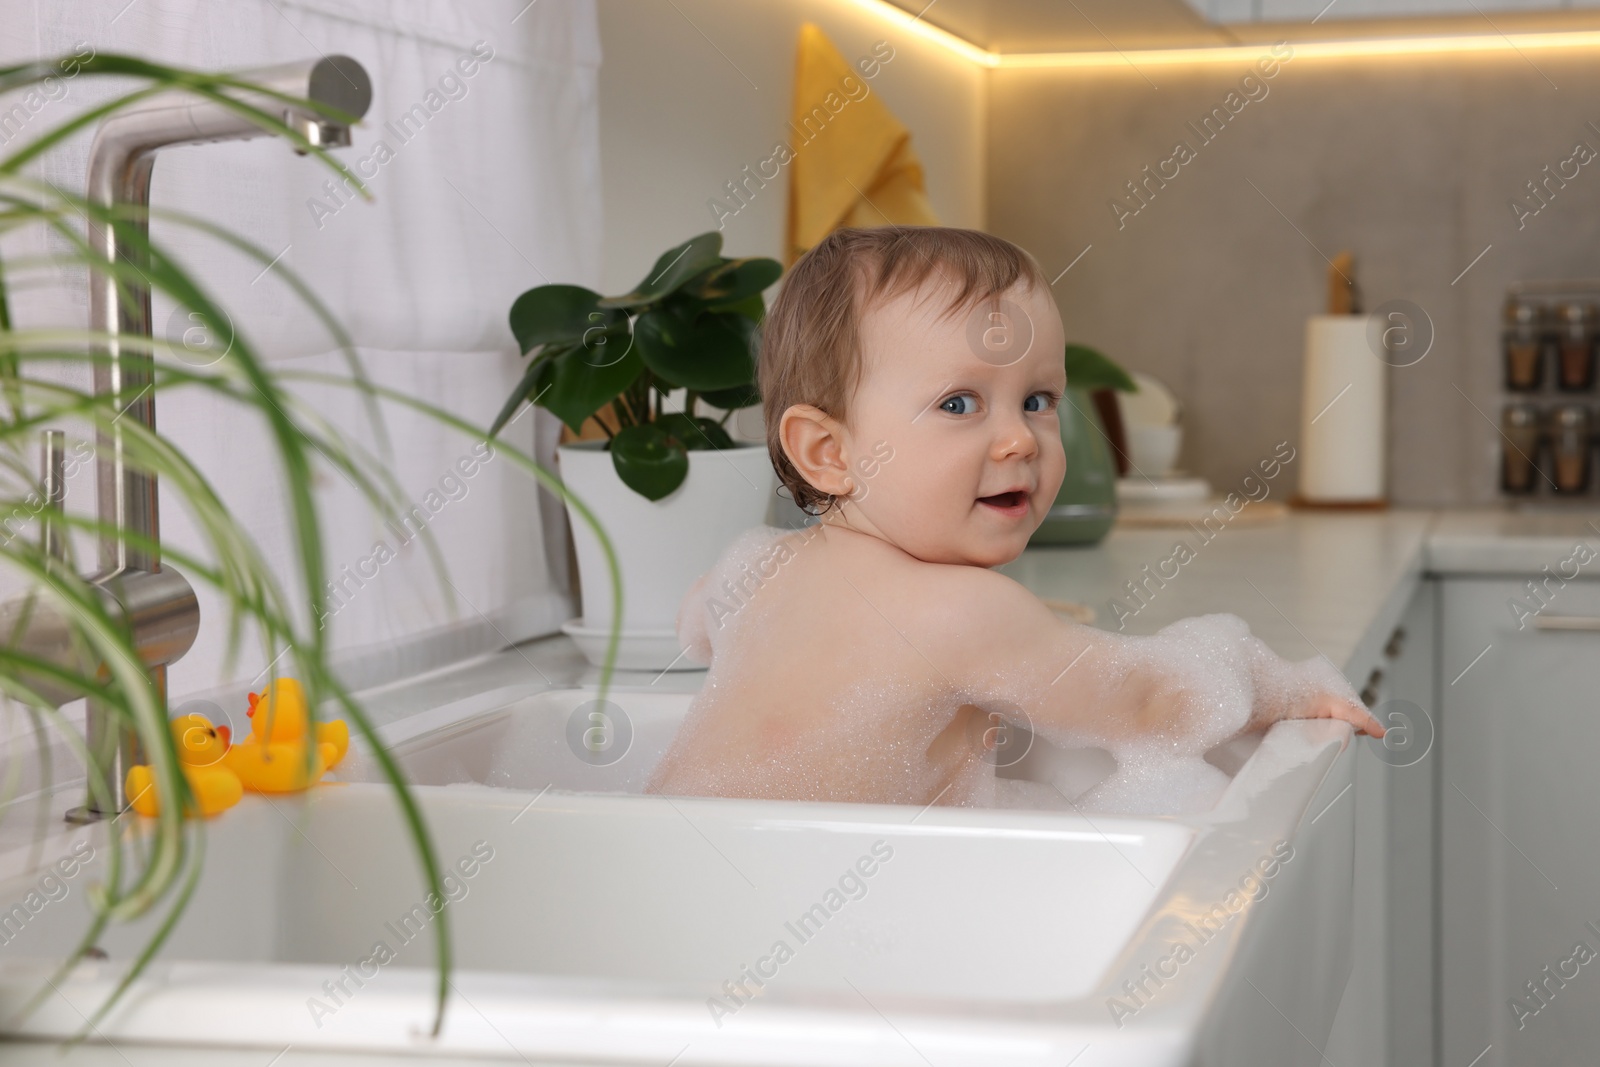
(1226, 679)
(723, 594)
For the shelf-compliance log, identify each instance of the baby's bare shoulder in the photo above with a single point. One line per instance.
(989, 585)
(974, 598)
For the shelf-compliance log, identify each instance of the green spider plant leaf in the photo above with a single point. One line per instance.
(734, 280)
(711, 351)
(166, 866)
(676, 266)
(1088, 369)
(740, 396)
(555, 314)
(649, 460)
(695, 434)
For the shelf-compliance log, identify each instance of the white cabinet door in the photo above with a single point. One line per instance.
(1519, 809)
(1411, 772)
(1386, 1017)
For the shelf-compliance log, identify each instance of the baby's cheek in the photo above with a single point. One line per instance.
(1052, 466)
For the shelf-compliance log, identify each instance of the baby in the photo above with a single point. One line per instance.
(910, 379)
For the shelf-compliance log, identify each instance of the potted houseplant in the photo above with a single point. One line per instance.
(1086, 506)
(668, 483)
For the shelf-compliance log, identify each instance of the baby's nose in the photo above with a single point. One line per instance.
(1015, 439)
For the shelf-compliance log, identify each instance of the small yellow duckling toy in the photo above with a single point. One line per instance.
(201, 750)
(274, 758)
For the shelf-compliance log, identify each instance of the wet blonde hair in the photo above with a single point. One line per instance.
(811, 336)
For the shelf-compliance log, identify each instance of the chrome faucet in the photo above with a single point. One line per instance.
(157, 602)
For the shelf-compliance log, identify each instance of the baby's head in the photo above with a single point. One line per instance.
(910, 377)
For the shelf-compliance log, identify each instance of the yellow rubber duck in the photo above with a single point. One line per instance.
(273, 759)
(202, 749)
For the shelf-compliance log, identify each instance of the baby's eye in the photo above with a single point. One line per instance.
(1040, 402)
(960, 404)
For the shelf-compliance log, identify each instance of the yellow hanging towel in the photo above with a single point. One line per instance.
(853, 161)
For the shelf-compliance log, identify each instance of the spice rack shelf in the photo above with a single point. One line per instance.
(1549, 342)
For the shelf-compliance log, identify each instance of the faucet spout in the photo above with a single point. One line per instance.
(120, 163)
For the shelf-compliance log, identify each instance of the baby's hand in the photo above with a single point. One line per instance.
(1327, 705)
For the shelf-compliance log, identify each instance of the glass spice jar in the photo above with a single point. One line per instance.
(1521, 341)
(1575, 336)
(1570, 441)
(1519, 451)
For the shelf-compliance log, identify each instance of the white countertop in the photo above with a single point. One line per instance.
(1309, 584)
(1313, 582)
(1514, 543)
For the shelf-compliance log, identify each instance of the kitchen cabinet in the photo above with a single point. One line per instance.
(1519, 803)
(1386, 1017)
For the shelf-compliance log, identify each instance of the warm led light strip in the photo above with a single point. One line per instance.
(907, 21)
(1385, 46)
(1245, 53)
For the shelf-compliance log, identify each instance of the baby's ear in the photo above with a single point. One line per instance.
(814, 442)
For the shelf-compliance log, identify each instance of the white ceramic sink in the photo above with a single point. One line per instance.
(567, 739)
(614, 927)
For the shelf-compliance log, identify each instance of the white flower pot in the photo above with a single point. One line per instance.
(662, 545)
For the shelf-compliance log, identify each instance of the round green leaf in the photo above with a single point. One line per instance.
(710, 352)
(751, 307)
(648, 460)
(676, 266)
(734, 280)
(740, 396)
(575, 388)
(696, 434)
(552, 314)
(530, 387)
(1088, 370)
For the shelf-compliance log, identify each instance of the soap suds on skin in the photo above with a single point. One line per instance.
(713, 607)
(1224, 674)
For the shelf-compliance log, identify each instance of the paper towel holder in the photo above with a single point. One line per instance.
(1344, 405)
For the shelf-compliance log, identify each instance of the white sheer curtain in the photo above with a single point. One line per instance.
(482, 150)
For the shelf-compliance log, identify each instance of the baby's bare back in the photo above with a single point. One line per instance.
(817, 689)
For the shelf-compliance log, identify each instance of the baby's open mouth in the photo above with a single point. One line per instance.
(1007, 501)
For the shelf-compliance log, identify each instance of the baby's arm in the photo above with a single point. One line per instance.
(1207, 678)
(693, 636)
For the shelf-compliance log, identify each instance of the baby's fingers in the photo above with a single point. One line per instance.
(1332, 707)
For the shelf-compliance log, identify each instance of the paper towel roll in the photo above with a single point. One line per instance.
(1343, 424)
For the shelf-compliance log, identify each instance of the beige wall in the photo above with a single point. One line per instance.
(691, 91)
(1409, 163)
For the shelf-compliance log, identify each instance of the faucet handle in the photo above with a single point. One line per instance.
(53, 480)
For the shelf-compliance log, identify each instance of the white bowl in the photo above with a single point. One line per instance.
(1153, 450)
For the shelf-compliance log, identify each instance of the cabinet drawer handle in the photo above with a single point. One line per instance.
(1397, 642)
(1369, 695)
(1590, 623)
